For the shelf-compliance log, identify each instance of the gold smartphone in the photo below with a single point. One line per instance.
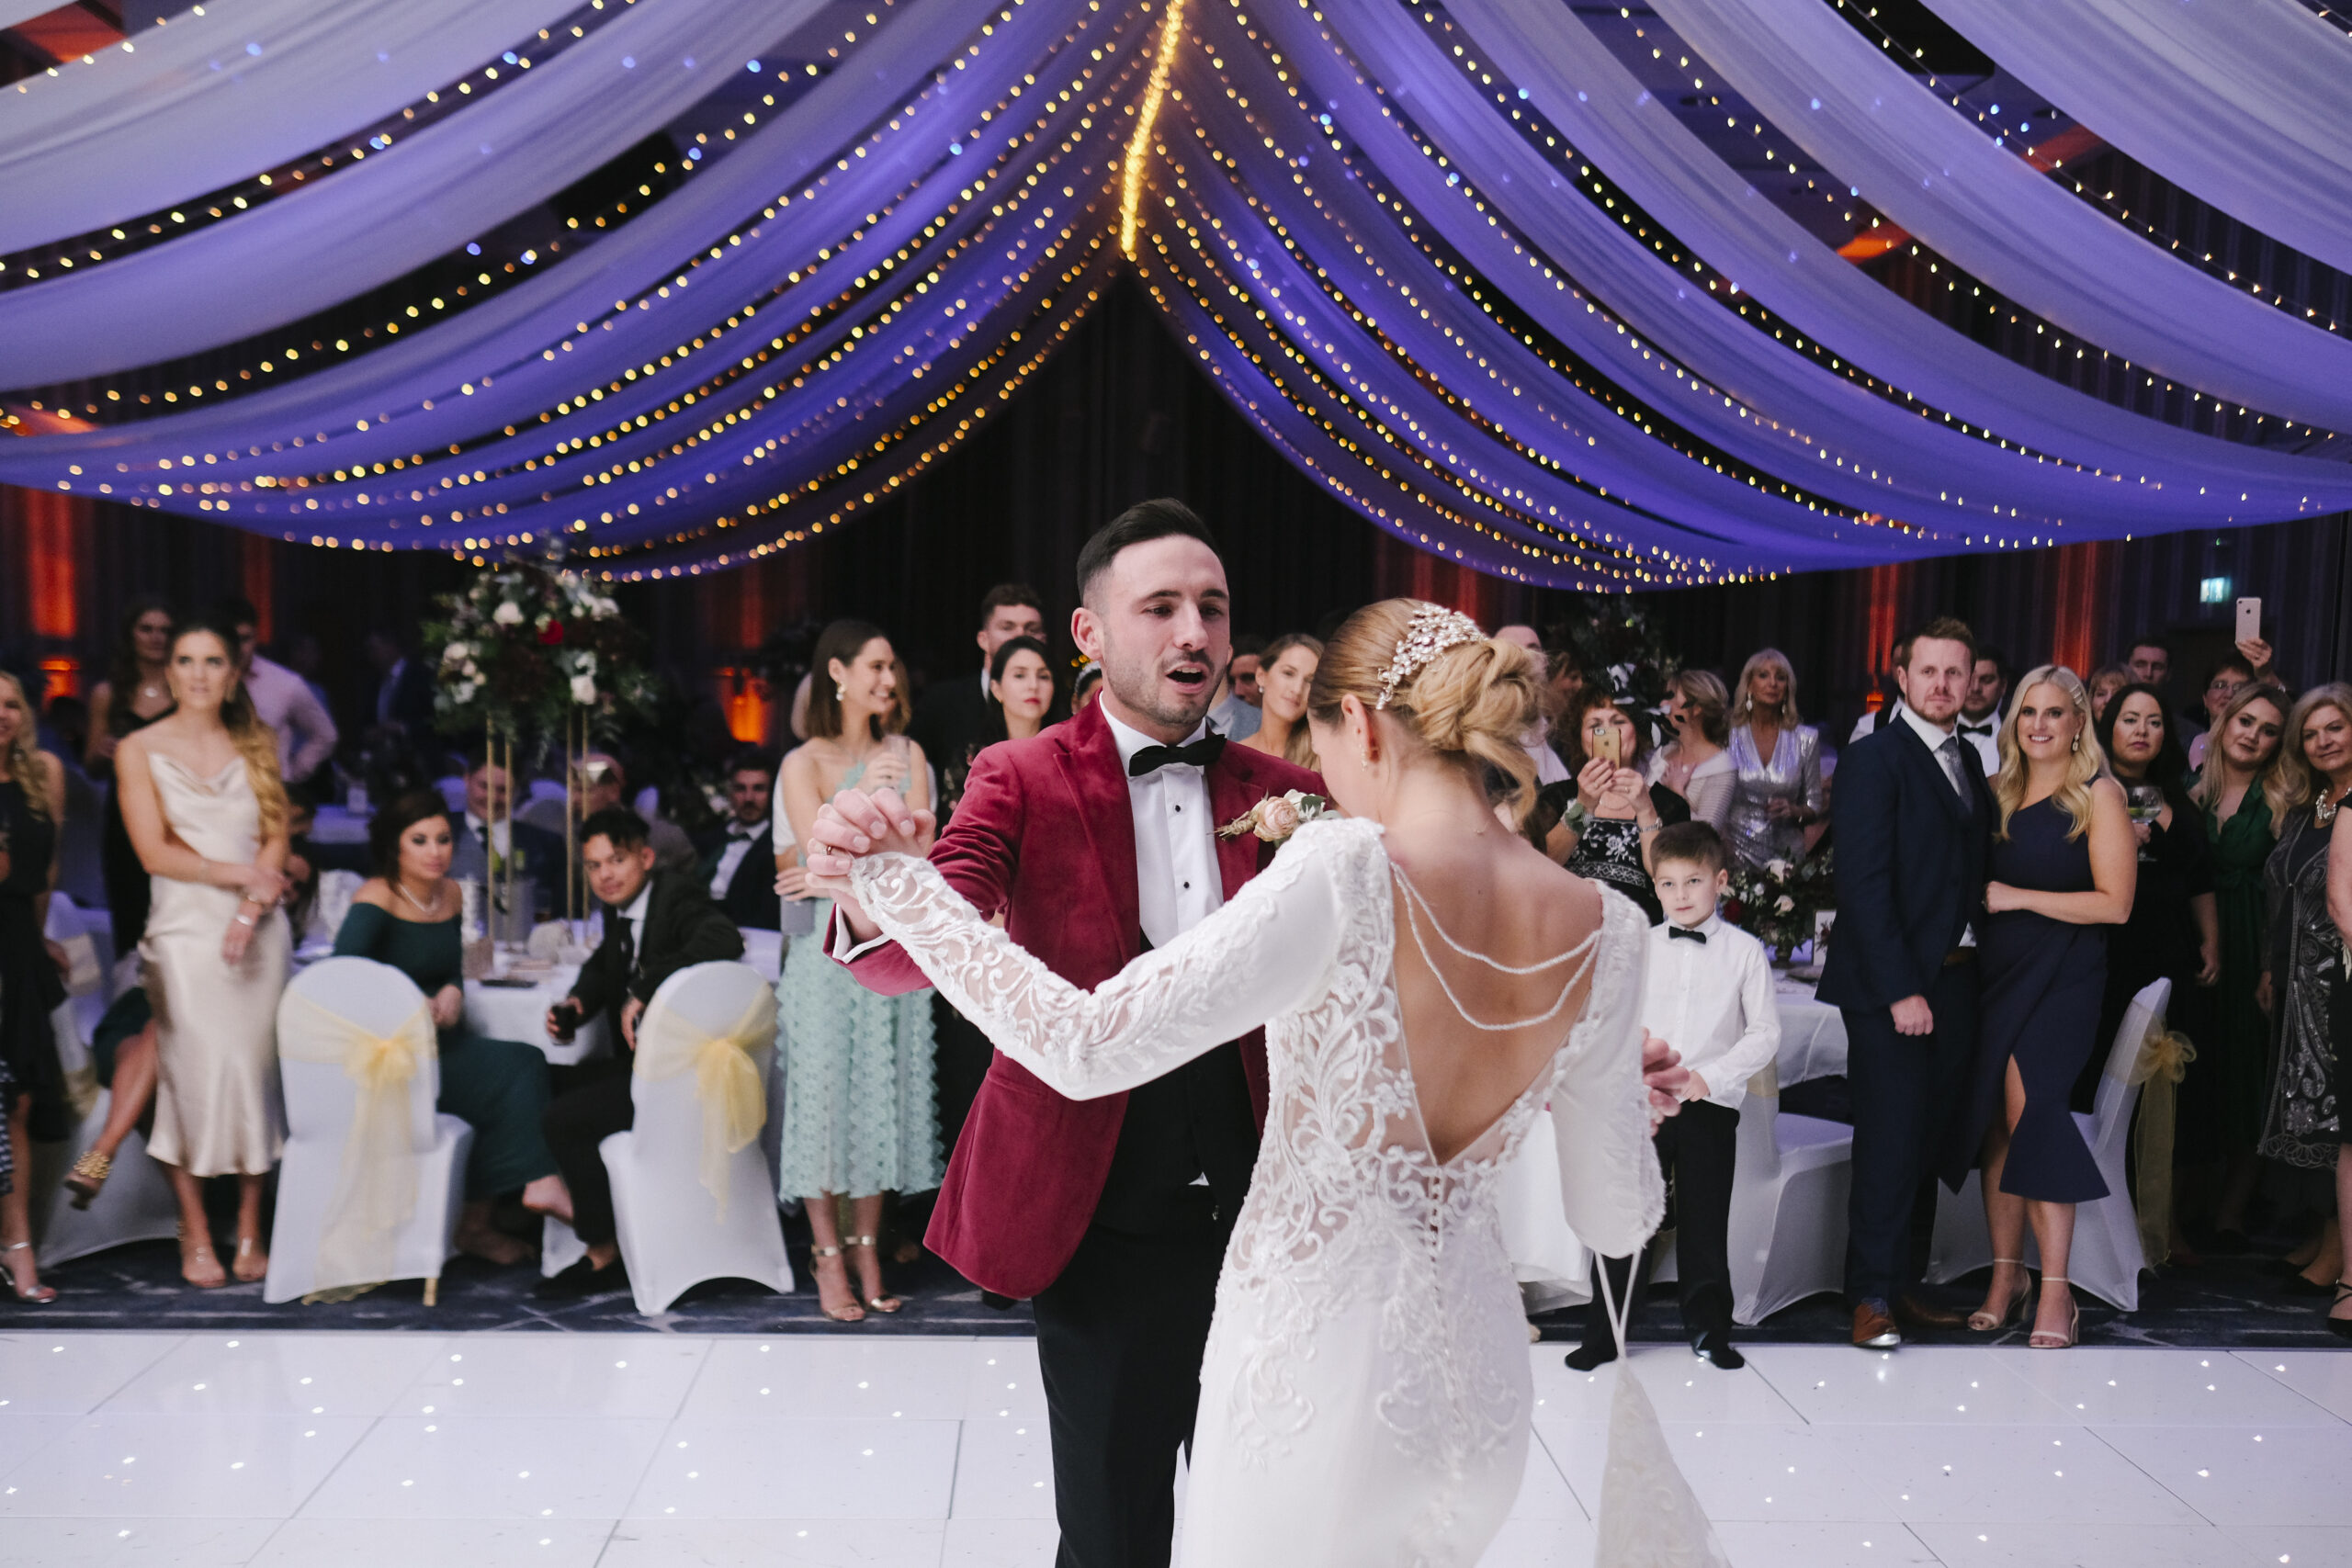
(1601, 740)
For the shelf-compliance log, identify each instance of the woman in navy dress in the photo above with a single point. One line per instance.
(2064, 864)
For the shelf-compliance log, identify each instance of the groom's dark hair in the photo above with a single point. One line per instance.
(1138, 524)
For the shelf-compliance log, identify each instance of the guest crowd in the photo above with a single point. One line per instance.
(2016, 858)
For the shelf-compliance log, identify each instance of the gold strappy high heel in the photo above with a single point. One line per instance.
(883, 1304)
(1983, 1322)
(850, 1314)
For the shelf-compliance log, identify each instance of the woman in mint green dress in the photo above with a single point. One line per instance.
(407, 916)
(861, 1116)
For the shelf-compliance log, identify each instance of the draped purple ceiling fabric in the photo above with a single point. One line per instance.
(2248, 104)
(1388, 254)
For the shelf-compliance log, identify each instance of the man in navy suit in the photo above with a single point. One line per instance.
(1913, 819)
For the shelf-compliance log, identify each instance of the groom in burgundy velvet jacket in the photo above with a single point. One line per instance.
(1095, 839)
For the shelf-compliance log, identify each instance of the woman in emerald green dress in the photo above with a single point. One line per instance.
(407, 916)
(2227, 1089)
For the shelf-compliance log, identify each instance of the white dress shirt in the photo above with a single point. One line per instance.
(1983, 736)
(1870, 723)
(635, 915)
(1712, 1002)
(497, 837)
(1177, 883)
(285, 702)
(741, 837)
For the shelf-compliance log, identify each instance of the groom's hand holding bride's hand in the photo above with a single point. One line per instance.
(1665, 1076)
(854, 824)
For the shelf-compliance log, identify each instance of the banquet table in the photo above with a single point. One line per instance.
(519, 1013)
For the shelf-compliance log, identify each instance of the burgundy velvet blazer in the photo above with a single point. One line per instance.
(1044, 834)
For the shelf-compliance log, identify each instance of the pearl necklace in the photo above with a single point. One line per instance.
(422, 909)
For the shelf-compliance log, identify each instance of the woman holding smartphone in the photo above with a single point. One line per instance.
(1621, 812)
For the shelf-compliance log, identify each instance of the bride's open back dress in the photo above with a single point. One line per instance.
(1366, 1391)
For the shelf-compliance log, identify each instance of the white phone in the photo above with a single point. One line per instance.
(2249, 620)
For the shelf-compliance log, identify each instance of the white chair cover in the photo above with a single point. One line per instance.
(2106, 1256)
(89, 942)
(692, 1199)
(136, 1204)
(371, 1182)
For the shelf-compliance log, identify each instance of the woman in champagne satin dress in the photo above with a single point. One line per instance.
(206, 810)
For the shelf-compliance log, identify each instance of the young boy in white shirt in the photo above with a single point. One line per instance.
(1709, 996)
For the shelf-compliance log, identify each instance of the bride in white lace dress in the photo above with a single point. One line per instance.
(1429, 984)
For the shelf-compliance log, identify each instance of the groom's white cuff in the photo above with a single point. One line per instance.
(842, 947)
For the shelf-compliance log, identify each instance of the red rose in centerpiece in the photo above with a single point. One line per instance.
(551, 635)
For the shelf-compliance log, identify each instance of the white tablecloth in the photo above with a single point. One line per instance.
(517, 1012)
(1813, 1033)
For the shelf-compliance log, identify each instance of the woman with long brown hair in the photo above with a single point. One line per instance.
(2244, 796)
(32, 1081)
(2310, 902)
(205, 808)
(859, 1119)
(2063, 866)
(1286, 672)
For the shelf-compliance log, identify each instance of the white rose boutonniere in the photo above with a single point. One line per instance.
(1277, 817)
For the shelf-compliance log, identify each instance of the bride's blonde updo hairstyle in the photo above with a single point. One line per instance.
(1462, 695)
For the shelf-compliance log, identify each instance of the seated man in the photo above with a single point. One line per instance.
(656, 923)
(602, 785)
(737, 858)
(483, 843)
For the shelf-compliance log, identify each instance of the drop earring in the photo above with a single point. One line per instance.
(840, 693)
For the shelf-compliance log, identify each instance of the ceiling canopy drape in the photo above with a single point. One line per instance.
(1467, 268)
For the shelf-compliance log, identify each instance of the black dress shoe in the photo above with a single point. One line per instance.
(1716, 1346)
(1913, 1312)
(1585, 1357)
(2300, 1284)
(582, 1279)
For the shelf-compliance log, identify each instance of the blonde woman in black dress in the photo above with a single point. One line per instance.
(2064, 865)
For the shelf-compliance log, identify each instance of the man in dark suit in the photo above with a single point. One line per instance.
(483, 843)
(1913, 819)
(738, 855)
(956, 716)
(1094, 840)
(656, 923)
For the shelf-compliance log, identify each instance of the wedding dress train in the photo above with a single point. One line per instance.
(1366, 1393)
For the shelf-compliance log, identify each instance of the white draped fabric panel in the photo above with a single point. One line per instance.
(1645, 147)
(1861, 116)
(2245, 103)
(401, 208)
(206, 101)
(14, 11)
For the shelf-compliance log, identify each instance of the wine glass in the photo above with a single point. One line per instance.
(2146, 803)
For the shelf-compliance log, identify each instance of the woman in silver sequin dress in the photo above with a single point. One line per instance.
(1778, 801)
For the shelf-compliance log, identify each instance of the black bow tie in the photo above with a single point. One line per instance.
(1202, 753)
(1687, 934)
(1985, 728)
(746, 830)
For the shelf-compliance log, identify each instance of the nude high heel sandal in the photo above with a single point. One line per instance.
(1983, 1322)
(850, 1314)
(40, 1295)
(2041, 1339)
(882, 1304)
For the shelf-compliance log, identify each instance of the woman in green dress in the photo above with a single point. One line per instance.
(860, 1114)
(407, 916)
(2244, 794)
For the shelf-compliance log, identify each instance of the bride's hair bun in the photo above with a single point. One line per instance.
(1473, 699)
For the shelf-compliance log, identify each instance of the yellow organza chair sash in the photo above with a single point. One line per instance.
(2162, 1063)
(375, 1190)
(734, 1097)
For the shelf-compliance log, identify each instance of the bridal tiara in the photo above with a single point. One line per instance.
(1433, 630)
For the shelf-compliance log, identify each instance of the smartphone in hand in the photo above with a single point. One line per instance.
(1601, 740)
(2249, 620)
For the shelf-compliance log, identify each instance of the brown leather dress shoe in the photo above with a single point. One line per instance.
(1915, 1312)
(1873, 1329)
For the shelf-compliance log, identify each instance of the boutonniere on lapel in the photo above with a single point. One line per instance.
(1277, 817)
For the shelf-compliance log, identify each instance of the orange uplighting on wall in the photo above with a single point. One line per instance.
(260, 581)
(1885, 603)
(50, 526)
(748, 702)
(60, 676)
(2081, 569)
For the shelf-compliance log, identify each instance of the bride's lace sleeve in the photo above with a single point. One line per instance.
(1610, 1184)
(1261, 954)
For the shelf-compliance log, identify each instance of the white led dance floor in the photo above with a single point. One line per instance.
(572, 1451)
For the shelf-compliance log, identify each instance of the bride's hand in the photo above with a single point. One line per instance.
(1664, 1075)
(853, 823)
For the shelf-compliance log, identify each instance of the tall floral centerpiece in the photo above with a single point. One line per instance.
(534, 656)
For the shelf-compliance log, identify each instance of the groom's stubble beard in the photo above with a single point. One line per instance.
(1141, 691)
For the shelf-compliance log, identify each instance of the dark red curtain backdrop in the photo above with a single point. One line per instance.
(1119, 415)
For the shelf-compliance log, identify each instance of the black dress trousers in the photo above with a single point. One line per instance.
(1908, 1092)
(592, 1102)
